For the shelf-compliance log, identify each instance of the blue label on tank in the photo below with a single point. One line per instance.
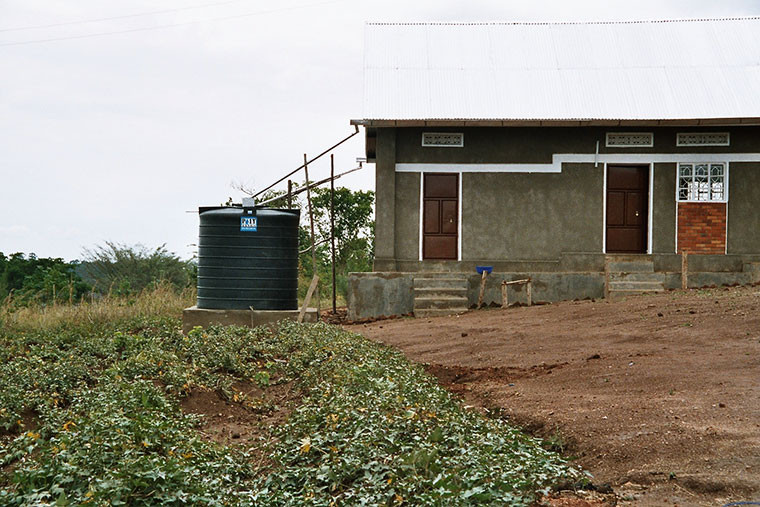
(248, 224)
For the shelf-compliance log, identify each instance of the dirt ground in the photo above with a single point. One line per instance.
(657, 395)
(245, 420)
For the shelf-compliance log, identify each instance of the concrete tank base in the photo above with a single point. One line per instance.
(194, 316)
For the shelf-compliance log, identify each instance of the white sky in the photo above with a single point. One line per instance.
(115, 137)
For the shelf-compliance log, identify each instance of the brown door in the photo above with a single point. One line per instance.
(440, 218)
(627, 200)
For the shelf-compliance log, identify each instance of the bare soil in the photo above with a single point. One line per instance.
(247, 420)
(657, 395)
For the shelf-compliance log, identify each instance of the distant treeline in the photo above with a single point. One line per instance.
(110, 268)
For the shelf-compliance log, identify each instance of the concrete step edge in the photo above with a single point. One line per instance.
(438, 305)
(426, 290)
(636, 277)
(431, 280)
(437, 312)
(438, 274)
(440, 283)
(442, 298)
(631, 267)
(628, 292)
(635, 284)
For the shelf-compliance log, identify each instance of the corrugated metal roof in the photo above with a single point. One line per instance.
(647, 70)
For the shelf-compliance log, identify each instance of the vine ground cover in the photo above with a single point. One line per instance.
(93, 414)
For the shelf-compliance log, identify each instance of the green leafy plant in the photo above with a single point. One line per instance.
(29, 279)
(91, 413)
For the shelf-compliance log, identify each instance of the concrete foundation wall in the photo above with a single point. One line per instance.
(200, 317)
(373, 295)
(546, 287)
(574, 276)
(379, 294)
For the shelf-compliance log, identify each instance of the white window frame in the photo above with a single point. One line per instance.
(460, 144)
(693, 175)
(679, 134)
(611, 145)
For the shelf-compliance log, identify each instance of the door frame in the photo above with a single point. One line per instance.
(459, 214)
(650, 204)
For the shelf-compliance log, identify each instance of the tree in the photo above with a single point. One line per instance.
(57, 283)
(41, 280)
(354, 227)
(128, 269)
(354, 236)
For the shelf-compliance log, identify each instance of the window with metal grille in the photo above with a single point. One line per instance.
(703, 139)
(443, 139)
(629, 140)
(702, 182)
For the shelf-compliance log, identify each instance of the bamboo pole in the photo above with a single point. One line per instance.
(332, 229)
(684, 269)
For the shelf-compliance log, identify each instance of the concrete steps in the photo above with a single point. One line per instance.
(632, 275)
(631, 266)
(440, 283)
(439, 294)
(641, 286)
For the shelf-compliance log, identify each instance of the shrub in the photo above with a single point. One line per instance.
(114, 267)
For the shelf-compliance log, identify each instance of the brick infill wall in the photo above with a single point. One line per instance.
(702, 227)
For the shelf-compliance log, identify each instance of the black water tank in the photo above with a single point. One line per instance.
(248, 257)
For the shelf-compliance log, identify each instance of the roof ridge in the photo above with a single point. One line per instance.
(610, 22)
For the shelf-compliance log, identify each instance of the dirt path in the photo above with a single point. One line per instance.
(658, 395)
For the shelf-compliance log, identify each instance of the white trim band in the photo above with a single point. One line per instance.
(578, 158)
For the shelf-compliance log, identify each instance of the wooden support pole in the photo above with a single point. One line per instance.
(606, 277)
(482, 288)
(311, 224)
(505, 297)
(290, 194)
(307, 299)
(332, 229)
(684, 269)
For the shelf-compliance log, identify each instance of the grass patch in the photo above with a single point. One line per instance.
(90, 413)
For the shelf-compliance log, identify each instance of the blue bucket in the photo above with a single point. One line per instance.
(481, 269)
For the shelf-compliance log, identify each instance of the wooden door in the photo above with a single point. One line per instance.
(627, 208)
(440, 216)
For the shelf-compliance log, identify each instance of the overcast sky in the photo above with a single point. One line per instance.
(114, 137)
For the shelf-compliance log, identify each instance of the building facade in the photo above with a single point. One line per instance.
(582, 192)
